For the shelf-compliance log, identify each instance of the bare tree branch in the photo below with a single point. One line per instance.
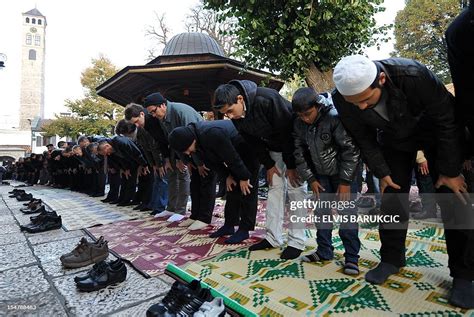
(159, 33)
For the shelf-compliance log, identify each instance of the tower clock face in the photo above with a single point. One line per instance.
(33, 30)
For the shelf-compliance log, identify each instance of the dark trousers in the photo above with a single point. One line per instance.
(101, 181)
(144, 189)
(203, 196)
(459, 242)
(114, 185)
(348, 231)
(241, 209)
(128, 186)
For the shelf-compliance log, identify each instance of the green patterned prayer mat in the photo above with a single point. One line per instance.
(268, 286)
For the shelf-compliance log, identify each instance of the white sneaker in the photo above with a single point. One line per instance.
(198, 225)
(175, 217)
(211, 309)
(164, 213)
(186, 223)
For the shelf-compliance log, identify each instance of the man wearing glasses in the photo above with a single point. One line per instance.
(201, 183)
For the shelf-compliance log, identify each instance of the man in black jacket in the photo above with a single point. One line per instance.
(137, 115)
(393, 108)
(223, 150)
(459, 39)
(128, 156)
(265, 119)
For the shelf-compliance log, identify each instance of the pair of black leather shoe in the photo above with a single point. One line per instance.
(45, 221)
(33, 210)
(142, 207)
(24, 197)
(102, 275)
(32, 201)
(16, 191)
(181, 300)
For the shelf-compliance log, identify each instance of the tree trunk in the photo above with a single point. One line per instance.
(318, 80)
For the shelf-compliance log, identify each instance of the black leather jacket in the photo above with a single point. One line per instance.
(327, 145)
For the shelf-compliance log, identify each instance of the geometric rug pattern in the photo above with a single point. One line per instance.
(266, 285)
(79, 210)
(150, 244)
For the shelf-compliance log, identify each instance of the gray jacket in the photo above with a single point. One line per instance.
(179, 115)
(324, 147)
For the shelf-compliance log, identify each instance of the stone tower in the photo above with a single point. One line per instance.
(32, 67)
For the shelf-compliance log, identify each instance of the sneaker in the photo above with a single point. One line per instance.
(215, 308)
(86, 253)
(164, 213)
(186, 223)
(106, 274)
(175, 217)
(182, 299)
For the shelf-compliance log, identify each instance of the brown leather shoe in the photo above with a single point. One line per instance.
(86, 253)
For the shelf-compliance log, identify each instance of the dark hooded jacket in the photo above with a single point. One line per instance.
(219, 143)
(268, 122)
(331, 150)
(421, 116)
(126, 154)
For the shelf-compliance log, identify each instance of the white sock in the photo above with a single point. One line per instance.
(164, 213)
(175, 217)
(186, 223)
(198, 225)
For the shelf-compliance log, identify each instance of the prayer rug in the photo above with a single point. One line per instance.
(150, 244)
(268, 286)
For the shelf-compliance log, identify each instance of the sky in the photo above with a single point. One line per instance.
(78, 31)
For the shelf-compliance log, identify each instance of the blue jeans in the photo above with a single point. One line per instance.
(349, 232)
(159, 195)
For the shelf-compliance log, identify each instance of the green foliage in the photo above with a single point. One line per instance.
(419, 33)
(286, 36)
(91, 114)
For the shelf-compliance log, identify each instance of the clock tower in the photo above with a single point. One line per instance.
(32, 68)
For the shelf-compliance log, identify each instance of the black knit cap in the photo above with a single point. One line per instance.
(180, 139)
(154, 99)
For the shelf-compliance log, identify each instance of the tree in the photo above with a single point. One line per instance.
(419, 33)
(301, 37)
(159, 33)
(199, 19)
(91, 114)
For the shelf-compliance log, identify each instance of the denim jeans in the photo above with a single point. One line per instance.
(159, 195)
(349, 232)
(373, 186)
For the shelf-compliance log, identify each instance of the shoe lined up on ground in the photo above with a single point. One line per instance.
(34, 210)
(86, 253)
(24, 197)
(15, 190)
(214, 308)
(102, 275)
(181, 300)
(32, 201)
(45, 221)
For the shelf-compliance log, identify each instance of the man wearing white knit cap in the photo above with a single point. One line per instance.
(393, 108)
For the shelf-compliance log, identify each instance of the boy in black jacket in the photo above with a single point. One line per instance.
(223, 150)
(327, 158)
(265, 119)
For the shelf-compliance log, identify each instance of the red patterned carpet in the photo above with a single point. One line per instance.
(150, 244)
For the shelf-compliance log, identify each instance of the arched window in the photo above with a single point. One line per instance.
(28, 39)
(32, 55)
(37, 40)
(27, 20)
(39, 21)
(33, 21)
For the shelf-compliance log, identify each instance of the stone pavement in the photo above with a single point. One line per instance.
(33, 282)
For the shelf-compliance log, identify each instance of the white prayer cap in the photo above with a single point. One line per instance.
(354, 74)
